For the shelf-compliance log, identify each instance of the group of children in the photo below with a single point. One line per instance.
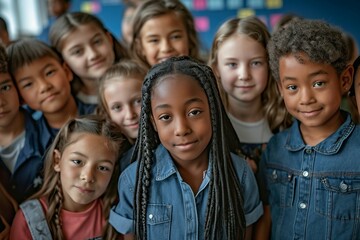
(148, 141)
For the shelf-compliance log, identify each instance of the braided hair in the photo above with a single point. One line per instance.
(225, 215)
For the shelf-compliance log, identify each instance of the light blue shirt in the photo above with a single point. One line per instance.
(173, 212)
(314, 191)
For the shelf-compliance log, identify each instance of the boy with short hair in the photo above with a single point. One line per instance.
(312, 169)
(20, 149)
(43, 80)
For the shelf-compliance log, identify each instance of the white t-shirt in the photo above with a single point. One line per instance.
(10, 154)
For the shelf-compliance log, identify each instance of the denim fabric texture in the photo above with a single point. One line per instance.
(173, 212)
(26, 178)
(314, 191)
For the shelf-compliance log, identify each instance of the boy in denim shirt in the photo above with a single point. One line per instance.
(20, 149)
(43, 80)
(312, 170)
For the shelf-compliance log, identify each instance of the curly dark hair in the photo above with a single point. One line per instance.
(321, 42)
(225, 215)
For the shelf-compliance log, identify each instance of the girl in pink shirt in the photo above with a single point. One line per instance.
(81, 172)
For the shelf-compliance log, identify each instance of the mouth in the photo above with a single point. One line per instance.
(85, 190)
(97, 64)
(49, 98)
(185, 145)
(163, 59)
(3, 113)
(132, 125)
(310, 113)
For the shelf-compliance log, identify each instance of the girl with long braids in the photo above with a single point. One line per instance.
(185, 183)
(81, 173)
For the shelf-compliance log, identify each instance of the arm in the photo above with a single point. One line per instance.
(129, 237)
(263, 226)
(248, 234)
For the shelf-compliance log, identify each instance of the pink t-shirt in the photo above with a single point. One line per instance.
(75, 225)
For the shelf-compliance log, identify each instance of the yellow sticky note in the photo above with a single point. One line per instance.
(274, 3)
(246, 12)
(86, 7)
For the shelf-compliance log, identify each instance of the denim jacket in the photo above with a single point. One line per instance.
(26, 178)
(173, 211)
(314, 191)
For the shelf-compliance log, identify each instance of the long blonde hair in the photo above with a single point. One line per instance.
(51, 189)
(273, 105)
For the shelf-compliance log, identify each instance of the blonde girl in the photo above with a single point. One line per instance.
(240, 61)
(81, 173)
(163, 29)
(88, 48)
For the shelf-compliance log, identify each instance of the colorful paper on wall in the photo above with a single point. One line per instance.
(255, 3)
(188, 3)
(199, 4)
(271, 4)
(202, 24)
(91, 7)
(245, 12)
(235, 4)
(215, 5)
(274, 19)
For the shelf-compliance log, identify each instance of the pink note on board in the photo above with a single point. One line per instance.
(202, 24)
(274, 19)
(199, 4)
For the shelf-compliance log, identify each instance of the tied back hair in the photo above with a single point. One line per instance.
(225, 215)
(51, 189)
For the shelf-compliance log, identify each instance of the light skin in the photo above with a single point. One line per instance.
(85, 166)
(312, 93)
(163, 37)
(181, 117)
(357, 89)
(44, 85)
(243, 71)
(126, 27)
(123, 101)
(11, 119)
(88, 51)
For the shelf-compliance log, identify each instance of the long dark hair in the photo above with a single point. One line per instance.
(225, 215)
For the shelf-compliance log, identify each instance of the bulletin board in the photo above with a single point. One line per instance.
(210, 14)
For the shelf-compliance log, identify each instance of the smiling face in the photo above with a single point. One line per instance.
(44, 85)
(85, 166)
(163, 37)
(9, 102)
(88, 51)
(181, 117)
(123, 102)
(312, 92)
(243, 69)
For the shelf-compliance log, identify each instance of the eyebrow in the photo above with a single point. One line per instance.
(85, 156)
(311, 75)
(188, 102)
(42, 69)
(172, 32)
(6, 81)
(78, 45)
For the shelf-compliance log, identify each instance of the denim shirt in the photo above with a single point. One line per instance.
(314, 191)
(173, 212)
(26, 178)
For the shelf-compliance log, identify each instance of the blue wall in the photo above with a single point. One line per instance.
(344, 14)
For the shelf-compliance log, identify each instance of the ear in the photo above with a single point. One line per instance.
(346, 79)
(57, 158)
(153, 123)
(69, 74)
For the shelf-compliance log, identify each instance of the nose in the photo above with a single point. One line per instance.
(92, 53)
(166, 45)
(243, 72)
(130, 112)
(306, 96)
(44, 85)
(87, 174)
(182, 127)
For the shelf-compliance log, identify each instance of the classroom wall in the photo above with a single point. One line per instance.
(210, 14)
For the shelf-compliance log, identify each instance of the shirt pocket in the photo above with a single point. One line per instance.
(338, 198)
(159, 221)
(282, 187)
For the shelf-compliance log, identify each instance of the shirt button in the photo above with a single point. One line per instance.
(305, 173)
(274, 174)
(302, 205)
(151, 216)
(343, 186)
(308, 151)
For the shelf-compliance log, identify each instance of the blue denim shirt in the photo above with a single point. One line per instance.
(173, 211)
(26, 178)
(314, 191)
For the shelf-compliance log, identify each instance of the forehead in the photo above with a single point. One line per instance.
(5, 77)
(165, 23)
(81, 34)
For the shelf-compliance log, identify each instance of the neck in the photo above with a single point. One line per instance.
(9, 133)
(90, 86)
(251, 111)
(60, 117)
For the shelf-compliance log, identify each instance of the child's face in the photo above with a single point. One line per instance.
(163, 37)
(44, 84)
(88, 51)
(9, 102)
(312, 92)
(85, 167)
(181, 117)
(357, 89)
(243, 68)
(123, 100)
